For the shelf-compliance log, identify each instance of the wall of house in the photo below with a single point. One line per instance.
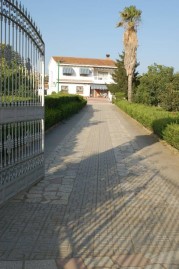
(52, 76)
(72, 88)
(97, 75)
(102, 76)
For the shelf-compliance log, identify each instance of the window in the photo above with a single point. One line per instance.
(102, 75)
(67, 71)
(64, 89)
(79, 89)
(84, 71)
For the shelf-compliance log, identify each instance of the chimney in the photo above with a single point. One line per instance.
(107, 55)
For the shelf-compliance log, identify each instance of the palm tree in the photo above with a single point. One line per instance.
(130, 18)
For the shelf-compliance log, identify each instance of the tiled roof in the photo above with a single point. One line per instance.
(85, 61)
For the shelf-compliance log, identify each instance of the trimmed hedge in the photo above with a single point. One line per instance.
(163, 123)
(59, 107)
(171, 135)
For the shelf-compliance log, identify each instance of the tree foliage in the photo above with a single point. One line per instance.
(159, 87)
(15, 72)
(120, 78)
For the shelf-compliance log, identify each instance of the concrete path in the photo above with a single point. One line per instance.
(110, 199)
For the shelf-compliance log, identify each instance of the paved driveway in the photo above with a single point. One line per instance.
(109, 199)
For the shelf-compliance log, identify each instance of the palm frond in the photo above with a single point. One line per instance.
(119, 24)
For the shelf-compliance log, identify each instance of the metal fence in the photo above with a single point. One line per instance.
(21, 100)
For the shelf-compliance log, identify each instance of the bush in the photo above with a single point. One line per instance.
(142, 96)
(52, 116)
(171, 135)
(169, 100)
(120, 95)
(163, 123)
(61, 106)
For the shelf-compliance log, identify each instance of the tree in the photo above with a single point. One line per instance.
(176, 81)
(15, 73)
(169, 99)
(159, 87)
(119, 76)
(130, 18)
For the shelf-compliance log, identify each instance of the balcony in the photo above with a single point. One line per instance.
(102, 80)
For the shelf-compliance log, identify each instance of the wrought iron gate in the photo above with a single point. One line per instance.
(21, 100)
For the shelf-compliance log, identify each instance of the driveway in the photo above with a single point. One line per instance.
(109, 199)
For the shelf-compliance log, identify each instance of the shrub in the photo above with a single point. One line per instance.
(120, 95)
(52, 116)
(163, 123)
(171, 135)
(169, 100)
(142, 96)
(159, 87)
(61, 106)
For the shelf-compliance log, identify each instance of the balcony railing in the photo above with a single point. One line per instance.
(99, 79)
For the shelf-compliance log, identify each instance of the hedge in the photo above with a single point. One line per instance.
(171, 135)
(163, 123)
(59, 107)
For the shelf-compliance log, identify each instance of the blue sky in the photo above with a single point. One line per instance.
(82, 28)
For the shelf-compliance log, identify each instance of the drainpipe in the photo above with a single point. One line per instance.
(58, 74)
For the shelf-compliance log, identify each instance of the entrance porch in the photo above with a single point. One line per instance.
(98, 91)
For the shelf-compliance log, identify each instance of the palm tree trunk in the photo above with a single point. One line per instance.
(130, 88)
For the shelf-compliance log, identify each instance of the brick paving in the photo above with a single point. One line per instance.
(109, 199)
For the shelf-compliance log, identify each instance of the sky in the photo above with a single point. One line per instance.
(80, 28)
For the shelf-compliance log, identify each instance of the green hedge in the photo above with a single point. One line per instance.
(171, 135)
(59, 107)
(163, 123)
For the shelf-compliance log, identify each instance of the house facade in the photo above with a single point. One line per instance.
(84, 76)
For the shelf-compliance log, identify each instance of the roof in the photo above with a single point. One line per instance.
(85, 61)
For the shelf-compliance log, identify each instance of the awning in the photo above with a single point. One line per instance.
(98, 87)
(67, 70)
(84, 71)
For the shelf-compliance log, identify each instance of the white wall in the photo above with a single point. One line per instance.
(72, 88)
(110, 96)
(76, 79)
(52, 76)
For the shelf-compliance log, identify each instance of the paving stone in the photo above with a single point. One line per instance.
(155, 266)
(171, 266)
(131, 260)
(11, 265)
(73, 263)
(56, 180)
(129, 267)
(46, 264)
(95, 262)
(170, 257)
(34, 195)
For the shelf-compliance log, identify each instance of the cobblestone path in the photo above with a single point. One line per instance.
(109, 200)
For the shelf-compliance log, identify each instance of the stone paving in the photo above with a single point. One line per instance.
(108, 200)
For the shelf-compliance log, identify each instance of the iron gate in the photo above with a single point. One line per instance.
(21, 100)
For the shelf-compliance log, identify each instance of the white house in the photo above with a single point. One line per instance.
(84, 76)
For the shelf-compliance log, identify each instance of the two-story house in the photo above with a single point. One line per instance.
(84, 76)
